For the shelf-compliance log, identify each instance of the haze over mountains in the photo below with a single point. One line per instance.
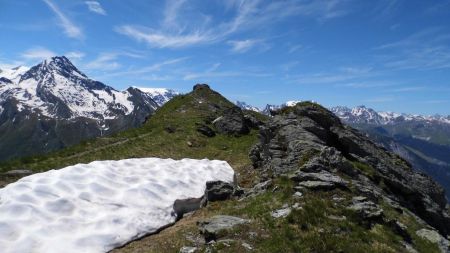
(54, 105)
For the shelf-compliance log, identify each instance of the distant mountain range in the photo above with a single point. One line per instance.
(422, 140)
(54, 105)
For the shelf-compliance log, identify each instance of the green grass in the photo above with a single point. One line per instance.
(152, 139)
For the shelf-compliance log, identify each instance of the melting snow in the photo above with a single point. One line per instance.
(98, 206)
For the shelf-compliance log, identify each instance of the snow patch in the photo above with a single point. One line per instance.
(99, 206)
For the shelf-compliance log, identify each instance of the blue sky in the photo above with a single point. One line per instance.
(388, 54)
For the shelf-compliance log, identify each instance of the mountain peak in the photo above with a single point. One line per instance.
(62, 65)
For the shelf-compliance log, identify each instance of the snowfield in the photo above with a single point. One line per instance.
(99, 206)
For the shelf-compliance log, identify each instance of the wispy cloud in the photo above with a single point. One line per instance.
(105, 62)
(343, 75)
(37, 53)
(427, 49)
(70, 29)
(212, 72)
(171, 13)
(295, 48)
(381, 99)
(75, 55)
(155, 67)
(242, 46)
(408, 89)
(247, 14)
(163, 40)
(95, 7)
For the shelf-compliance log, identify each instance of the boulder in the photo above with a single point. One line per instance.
(232, 122)
(205, 130)
(434, 237)
(252, 122)
(366, 209)
(281, 213)
(218, 226)
(183, 206)
(18, 173)
(321, 176)
(218, 190)
(318, 185)
(186, 249)
(400, 229)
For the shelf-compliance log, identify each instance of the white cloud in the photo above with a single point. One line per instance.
(163, 40)
(105, 61)
(70, 29)
(95, 7)
(75, 55)
(241, 46)
(427, 49)
(179, 29)
(355, 77)
(38, 53)
(295, 48)
(212, 72)
(382, 99)
(171, 13)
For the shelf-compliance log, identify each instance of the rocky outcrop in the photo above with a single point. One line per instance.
(435, 237)
(311, 144)
(218, 226)
(218, 190)
(232, 122)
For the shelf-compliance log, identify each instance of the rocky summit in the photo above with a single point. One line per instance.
(311, 143)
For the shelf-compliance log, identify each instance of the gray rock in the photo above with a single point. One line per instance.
(218, 226)
(206, 130)
(317, 185)
(232, 122)
(252, 122)
(18, 173)
(247, 246)
(184, 206)
(281, 213)
(367, 210)
(400, 229)
(298, 195)
(321, 176)
(435, 237)
(218, 190)
(186, 249)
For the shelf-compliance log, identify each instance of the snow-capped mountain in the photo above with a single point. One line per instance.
(56, 88)
(364, 115)
(53, 105)
(159, 95)
(13, 74)
(268, 109)
(245, 106)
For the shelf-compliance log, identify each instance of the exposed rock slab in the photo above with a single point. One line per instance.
(218, 226)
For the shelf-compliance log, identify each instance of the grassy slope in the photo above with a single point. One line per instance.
(153, 139)
(306, 230)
